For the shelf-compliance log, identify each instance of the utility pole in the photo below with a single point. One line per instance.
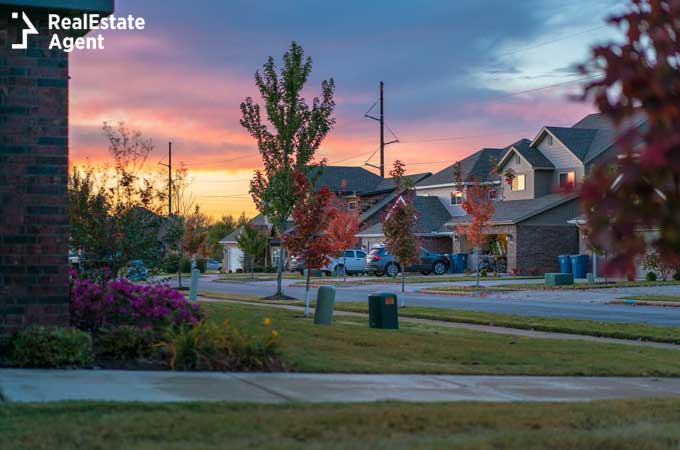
(381, 120)
(179, 245)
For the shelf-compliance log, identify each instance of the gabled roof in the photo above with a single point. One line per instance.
(606, 132)
(432, 216)
(475, 166)
(532, 155)
(577, 140)
(231, 237)
(515, 211)
(346, 178)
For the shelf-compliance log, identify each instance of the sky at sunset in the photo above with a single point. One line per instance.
(451, 71)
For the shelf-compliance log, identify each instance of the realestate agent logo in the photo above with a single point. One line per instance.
(25, 32)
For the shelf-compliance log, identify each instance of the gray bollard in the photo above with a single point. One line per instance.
(193, 291)
(325, 301)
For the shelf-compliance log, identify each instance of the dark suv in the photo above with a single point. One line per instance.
(379, 262)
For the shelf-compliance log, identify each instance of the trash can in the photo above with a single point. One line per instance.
(461, 262)
(383, 310)
(565, 263)
(452, 264)
(579, 265)
(325, 301)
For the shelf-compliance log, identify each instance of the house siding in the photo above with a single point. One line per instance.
(521, 168)
(558, 216)
(562, 158)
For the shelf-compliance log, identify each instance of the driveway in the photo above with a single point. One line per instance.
(583, 304)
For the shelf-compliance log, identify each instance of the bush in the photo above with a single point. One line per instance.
(119, 302)
(651, 276)
(209, 346)
(171, 263)
(124, 342)
(53, 348)
(484, 272)
(676, 276)
(186, 265)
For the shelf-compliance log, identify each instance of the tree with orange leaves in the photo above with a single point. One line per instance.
(343, 229)
(312, 214)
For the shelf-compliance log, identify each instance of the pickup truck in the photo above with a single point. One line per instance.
(353, 260)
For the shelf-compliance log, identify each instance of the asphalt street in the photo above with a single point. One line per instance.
(581, 304)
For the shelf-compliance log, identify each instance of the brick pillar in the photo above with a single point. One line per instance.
(33, 178)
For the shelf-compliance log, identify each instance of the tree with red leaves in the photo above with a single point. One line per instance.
(343, 229)
(479, 205)
(312, 213)
(641, 78)
(399, 223)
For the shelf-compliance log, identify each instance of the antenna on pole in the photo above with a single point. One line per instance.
(381, 120)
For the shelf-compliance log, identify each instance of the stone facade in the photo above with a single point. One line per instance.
(33, 179)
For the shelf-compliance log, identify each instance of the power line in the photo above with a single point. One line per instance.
(543, 44)
(469, 136)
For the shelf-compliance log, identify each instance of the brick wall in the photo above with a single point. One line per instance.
(33, 178)
(538, 247)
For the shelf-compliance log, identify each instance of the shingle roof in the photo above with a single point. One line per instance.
(477, 165)
(432, 216)
(529, 153)
(515, 211)
(578, 140)
(389, 184)
(346, 179)
(606, 132)
(231, 237)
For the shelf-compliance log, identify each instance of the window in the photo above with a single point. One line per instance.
(567, 179)
(361, 255)
(518, 183)
(518, 160)
(456, 197)
(493, 194)
(550, 139)
(349, 254)
(352, 206)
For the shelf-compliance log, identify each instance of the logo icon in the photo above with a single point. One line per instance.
(25, 32)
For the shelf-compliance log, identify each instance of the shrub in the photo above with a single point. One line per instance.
(57, 347)
(484, 272)
(676, 276)
(171, 263)
(124, 342)
(119, 302)
(210, 346)
(651, 276)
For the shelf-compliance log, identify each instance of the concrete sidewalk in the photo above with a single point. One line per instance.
(27, 385)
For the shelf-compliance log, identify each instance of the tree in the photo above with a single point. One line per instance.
(300, 129)
(195, 233)
(639, 76)
(115, 212)
(253, 243)
(343, 229)
(479, 205)
(312, 212)
(399, 223)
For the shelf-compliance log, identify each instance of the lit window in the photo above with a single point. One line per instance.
(352, 206)
(567, 179)
(456, 197)
(518, 183)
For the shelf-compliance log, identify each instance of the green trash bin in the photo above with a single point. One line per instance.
(325, 300)
(383, 311)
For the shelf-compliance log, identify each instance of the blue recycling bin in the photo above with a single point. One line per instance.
(565, 263)
(579, 265)
(452, 264)
(461, 262)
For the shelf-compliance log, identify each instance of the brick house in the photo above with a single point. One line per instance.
(533, 222)
(34, 156)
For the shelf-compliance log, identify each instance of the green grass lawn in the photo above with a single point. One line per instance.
(552, 324)
(653, 298)
(621, 425)
(351, 346)
(541, 286)
(417, 279)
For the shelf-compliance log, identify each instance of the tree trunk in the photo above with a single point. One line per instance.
(479, 263)
(279, 270)
(307, 294)
(403, 279)
(344, 267)
(252, 267)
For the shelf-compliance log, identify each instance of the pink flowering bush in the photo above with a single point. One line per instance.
(96, 305)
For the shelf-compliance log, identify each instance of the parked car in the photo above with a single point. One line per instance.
(353, 261)
(211, 264)
(380, 262)
(136, 271)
